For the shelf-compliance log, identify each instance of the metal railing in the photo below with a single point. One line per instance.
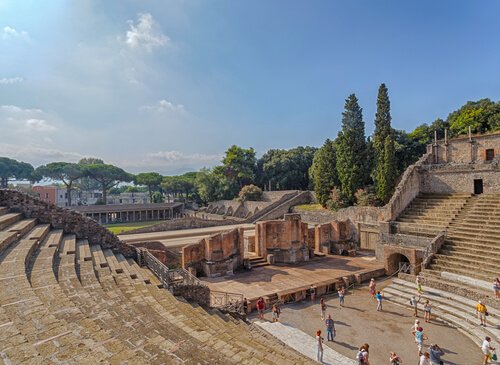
(232, 302)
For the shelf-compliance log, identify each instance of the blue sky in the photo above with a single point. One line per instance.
(155, 85)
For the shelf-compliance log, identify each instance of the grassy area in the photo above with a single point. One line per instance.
(309, 207)
(118, 228)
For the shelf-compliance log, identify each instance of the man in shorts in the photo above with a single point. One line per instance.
(260, 307)
(481, 313)
(486, 348)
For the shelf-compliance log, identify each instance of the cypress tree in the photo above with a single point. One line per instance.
(383, 144)
(323, 171)
(352, 164)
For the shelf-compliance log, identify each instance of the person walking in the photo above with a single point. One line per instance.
(435, 354)
(274, 311)
(420, 337)
(482, 312)
(486, 349)
(312, 292)
(260, 308)
(331, 332)
(379, 297)
(372, 286)
(427, 311)
(496, 287)
(424, 359)
(363, 354)
(322, 308)
(319, 340)
(414, 303)
(418, 281)
(341, 293)
(394, 359)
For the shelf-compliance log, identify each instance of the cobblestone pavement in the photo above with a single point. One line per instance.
(386, 331)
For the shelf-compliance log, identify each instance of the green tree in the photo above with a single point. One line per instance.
(66, 172)
(323, 172)
(12, 169)
(85, 182)
(385, 173)
(239, 166)
(250, 193)
(151, 180)
(211, 185)
(107, 176)
(482, 116)
(351, 148)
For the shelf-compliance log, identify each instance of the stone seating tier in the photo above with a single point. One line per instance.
(65, 301)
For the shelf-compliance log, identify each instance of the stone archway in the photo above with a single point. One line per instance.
(396, 255)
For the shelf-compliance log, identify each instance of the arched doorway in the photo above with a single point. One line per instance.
(397, 261)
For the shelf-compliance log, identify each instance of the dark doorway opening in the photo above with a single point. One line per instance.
(478, 186)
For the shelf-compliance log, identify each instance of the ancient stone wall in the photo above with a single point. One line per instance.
(65, 219)
(169, 258)
(219, 254)
(465, 151)
(460, 178)
(333, 237)
(183, 223)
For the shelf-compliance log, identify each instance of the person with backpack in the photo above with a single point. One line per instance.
(482, 312)
(486, 349)
(362, 355)
(395, 359)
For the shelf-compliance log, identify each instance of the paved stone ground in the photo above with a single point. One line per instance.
(273, 278)
(386, 331)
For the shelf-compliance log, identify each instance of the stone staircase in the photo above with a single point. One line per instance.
(456, 310)
(429, 214)
(63, 300)
(472, 245)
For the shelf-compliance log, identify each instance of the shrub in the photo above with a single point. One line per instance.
(250, 193)
(365, 197)
(337, 200)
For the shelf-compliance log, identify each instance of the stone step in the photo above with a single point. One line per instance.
(466, 270)
(468, 326)
(488, 263)
(457, 302)
(474, 255)
(461, 236)
(481, 289)
(9, 219)
(3, 210)
(468, 249)
(304, 343)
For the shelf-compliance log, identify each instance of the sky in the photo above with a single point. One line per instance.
(168, 86)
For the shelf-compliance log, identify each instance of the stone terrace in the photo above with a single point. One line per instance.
(64, 299)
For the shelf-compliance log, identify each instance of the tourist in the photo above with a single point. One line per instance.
(496, 287)
(362, 355)
(331, 332)
(260, 307)
(427, 311)
(395, 359)
(415, 326)
(424, 359)
(342, 295)
(414, 303)
(322, 308)
(486, 348)
(379, 296)
(435, 354)
(481, 313)
(278, 311)
(319, 339)
(418, 281)
(274, 311)
(372, 287)
(312, 292)
(420, 337)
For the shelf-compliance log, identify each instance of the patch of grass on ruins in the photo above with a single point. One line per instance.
(118, 228)
(309, 207)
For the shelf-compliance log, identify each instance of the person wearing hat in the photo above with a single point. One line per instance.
(481, 313)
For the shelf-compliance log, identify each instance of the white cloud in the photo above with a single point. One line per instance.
(11, 80)
(9, 33)
(163, 106)
(37, 155)
(15, 118)
(145, 34)
(39, 125)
